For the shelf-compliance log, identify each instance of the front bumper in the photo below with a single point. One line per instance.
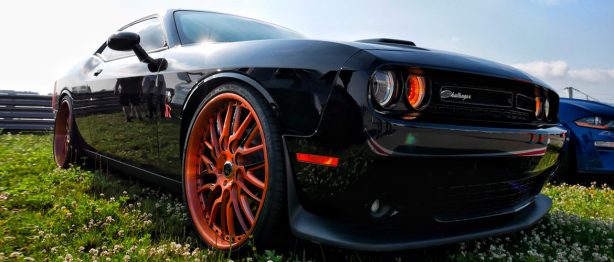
(434, 184)
(592, 158)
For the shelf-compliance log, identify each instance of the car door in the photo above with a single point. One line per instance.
(124, 124)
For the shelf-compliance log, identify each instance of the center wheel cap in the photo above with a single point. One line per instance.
(227, 169)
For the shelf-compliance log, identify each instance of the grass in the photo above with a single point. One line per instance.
(76, 214)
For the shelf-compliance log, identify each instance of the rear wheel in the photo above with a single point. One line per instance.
(64, 143)
(233, 178)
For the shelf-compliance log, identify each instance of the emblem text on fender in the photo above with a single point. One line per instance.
(450, 94)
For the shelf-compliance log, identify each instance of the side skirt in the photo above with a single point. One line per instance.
(139, 173)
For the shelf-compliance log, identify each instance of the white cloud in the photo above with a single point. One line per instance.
(543, 69)
(591, 75)
(595, 81)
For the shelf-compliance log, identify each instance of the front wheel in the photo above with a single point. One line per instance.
(233, 170)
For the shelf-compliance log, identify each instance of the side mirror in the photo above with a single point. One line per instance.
(126, 41)
(123, 41)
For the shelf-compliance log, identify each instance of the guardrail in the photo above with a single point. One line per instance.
(25, 111)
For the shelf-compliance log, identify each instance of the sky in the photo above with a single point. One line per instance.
(563, 42)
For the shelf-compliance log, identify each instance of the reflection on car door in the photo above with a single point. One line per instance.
(123, 124)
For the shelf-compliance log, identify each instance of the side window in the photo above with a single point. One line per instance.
(152, 38)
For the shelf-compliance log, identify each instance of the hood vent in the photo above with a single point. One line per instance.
(387, 41)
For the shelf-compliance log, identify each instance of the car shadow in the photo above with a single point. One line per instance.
(583, 179)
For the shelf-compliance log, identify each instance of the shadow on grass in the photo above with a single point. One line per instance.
(583, 179)
(167, 212)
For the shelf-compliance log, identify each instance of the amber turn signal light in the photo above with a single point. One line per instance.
(318, 160)
(416, 91)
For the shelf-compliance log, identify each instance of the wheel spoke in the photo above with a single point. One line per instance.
(219, 123)
(251, 136)
(247, 191)
(213, 136)
(254, 166)
(238, 134)
(249, 177)
(247, 210)
(223, 215)
(230, 218)
(237, 211)
(207, 187)
(209, 146)
(226, 128)
(215, 209)
(209, 164)
(250, 150)
(236, 119)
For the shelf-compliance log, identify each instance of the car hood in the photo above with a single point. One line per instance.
(590, 106)
(443, 60)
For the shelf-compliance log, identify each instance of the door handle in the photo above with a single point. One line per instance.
(97, 72)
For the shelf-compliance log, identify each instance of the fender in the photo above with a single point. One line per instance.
(211, 81)
(200, 90)
(56, 103)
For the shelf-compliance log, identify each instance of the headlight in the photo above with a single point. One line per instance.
(547, 108)
(384, 87)
(596, 122)
(539, 108)
(416, 91)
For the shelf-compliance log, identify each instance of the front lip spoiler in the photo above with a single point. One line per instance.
(325, 231)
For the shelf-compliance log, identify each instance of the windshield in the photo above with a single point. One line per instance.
(198, 27)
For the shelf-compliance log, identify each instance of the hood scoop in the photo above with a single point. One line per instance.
(388, 41)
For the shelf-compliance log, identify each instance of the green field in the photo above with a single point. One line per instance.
(76, 214)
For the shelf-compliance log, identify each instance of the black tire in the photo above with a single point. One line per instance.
(65, 135)
(270, 227)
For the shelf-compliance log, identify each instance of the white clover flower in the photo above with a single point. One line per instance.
(15, 255)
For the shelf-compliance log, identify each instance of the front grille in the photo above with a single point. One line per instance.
(469, 201)
(481, 103)
(463, 98)
(476, 97)
(460, 112)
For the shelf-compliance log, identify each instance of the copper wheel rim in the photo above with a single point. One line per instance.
(226, 171)
(61, 137)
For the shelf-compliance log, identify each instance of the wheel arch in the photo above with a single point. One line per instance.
(65, 92)
(203, 87)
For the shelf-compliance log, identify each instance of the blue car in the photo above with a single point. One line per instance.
(591, 136)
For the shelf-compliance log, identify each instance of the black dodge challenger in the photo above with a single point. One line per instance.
(372, 145)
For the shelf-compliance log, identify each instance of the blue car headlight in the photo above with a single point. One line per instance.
(596, 122)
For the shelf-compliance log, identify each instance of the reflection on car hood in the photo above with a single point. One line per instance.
(437, 59)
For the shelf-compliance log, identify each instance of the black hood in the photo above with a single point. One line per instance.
(443, 60)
